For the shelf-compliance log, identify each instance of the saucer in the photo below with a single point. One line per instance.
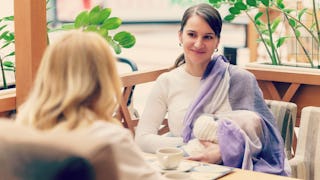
(183, 167)
(211, 171)
(212, 168)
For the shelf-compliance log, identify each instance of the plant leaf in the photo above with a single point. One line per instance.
(68, 26)
(8, 64)
(279, 1)
(265, 32)
(94, 15)
(258, 15)
(9, 69)
(301, 12)
(5, 45)
(280, 41)
(112, 23)
(281, 6)
(252, 3)
(297, 33)
(229, 17)
(214, 1)
(268, 42)
(275, 24)
(288, 11)
(2, 36)
(10, 36)
(259, 23)
(2, 27)
(104, 14)
(116, 47)
(10, 54)
(125, 39)
(9, 18)
(103, 32)
(92, 28)
(234, 10)
(292, 22)
(82, 19)
(265, 2)
(240, 5)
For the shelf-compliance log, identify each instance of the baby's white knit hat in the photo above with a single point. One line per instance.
(205, 128)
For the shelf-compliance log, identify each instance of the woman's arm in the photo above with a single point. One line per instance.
(154, 113)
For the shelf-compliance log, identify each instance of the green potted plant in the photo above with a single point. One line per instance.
(295, 85)
(6, 40)
(97, 19)
(281, 82)
(294, 18)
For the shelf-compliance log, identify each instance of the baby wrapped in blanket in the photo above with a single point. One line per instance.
(206, 129)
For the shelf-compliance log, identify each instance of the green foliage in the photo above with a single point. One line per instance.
(265, 29)
(98, 20)
(6, 39)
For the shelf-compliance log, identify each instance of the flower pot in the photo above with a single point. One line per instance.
(7, 101)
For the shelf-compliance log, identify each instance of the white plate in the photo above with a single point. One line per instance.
(183, 167)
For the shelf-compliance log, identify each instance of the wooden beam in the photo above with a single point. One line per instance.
(30, 43)
(252, 37)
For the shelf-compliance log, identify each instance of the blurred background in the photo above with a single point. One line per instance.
(155, 25)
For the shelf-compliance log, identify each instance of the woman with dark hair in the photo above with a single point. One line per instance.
(204, 83)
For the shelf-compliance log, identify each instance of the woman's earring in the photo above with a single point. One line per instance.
(180, 44)
(216, 50)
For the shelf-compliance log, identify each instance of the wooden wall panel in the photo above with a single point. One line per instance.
(31, 41)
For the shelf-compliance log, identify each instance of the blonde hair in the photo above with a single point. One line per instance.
(77, 82)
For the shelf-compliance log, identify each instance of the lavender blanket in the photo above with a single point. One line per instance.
(243, 93)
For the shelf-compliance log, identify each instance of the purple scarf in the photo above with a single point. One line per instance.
(209, 83)
(244, 94)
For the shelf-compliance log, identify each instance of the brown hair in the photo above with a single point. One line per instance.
(209, 14)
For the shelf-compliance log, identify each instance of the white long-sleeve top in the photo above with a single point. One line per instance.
(171, 95)
(128, 156)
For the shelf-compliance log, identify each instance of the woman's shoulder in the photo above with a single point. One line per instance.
(172, 72)
(177, 74)
(166, 77)
(110, 130)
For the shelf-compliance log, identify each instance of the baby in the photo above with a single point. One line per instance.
(206, 127)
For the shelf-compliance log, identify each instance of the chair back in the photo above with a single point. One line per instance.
(285, 114)
(306, 163)
(26, 154)
(129, 80)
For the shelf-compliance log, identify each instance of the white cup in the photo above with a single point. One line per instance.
(169, 157)
(177, 176)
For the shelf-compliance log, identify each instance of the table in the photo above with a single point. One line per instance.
(252, 175)
(224, 173)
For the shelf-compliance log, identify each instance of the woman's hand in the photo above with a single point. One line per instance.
(211, 154)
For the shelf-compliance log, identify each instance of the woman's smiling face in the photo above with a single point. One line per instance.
(199, 41)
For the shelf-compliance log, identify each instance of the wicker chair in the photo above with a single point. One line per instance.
(306, 163)
(285, 114)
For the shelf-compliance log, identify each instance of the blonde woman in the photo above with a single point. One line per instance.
(77, 86)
